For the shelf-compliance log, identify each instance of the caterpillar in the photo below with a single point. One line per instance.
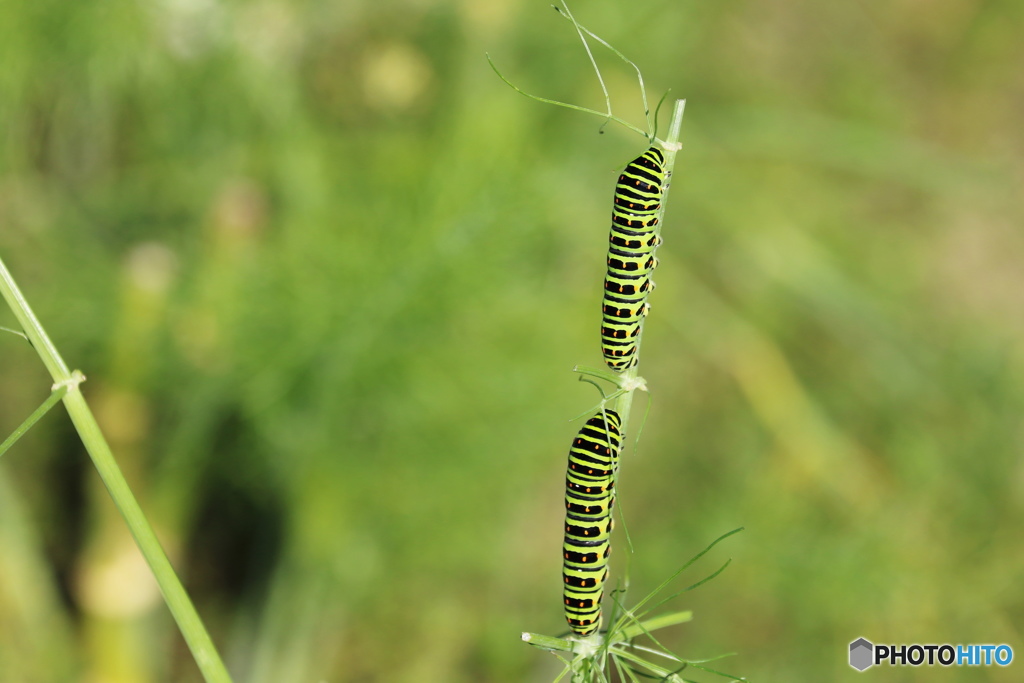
(589, 497)
(631, 260)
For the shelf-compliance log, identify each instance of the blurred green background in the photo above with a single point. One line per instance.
(328, 276)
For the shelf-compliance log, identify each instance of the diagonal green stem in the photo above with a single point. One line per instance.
(586, 110)
(177, 599)
(56, 395)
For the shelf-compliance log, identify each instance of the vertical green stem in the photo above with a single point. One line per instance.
(177, 599)
(670, 146)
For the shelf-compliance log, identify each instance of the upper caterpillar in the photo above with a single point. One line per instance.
(633, 238)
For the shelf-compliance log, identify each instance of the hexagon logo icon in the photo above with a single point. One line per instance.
(861, 654)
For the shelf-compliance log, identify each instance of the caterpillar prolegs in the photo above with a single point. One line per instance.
(631, 261)
(589, 497)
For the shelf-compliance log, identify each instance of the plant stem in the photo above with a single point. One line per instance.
(547, 642)
(55, 395)
(635, 630)
(177, 599)
(670, 147)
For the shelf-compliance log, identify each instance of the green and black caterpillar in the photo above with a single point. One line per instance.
(631, 260)
(589, 497)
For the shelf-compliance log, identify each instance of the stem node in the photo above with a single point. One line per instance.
(71, 383)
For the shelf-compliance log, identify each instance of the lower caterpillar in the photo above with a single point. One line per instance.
(593, 459)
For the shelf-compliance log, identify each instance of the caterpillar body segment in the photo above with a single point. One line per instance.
(631, 245)
(589, 498)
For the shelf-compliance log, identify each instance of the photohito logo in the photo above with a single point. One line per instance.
(865, 654)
